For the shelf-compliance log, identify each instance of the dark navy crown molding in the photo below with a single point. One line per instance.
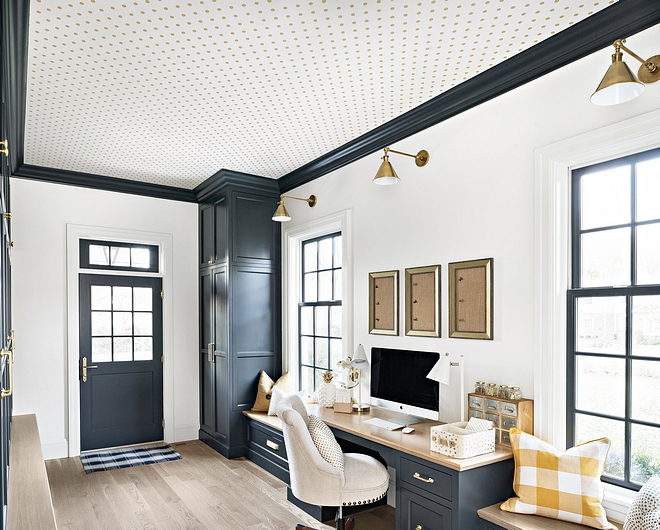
(217, 183)
(99, 182)
(620, 20)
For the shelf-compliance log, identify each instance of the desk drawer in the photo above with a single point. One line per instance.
(267, 440)
(426, 478)
(420, 513)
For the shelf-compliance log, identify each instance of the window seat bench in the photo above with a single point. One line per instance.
(495, 519)
(29, 502)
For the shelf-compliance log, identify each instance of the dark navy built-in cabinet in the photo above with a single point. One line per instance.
(240, 315)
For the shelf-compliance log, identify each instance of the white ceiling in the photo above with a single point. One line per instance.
(171, 91)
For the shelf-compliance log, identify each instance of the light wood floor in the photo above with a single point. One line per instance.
(201, 491)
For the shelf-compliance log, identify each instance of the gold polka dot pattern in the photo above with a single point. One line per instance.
(171, 91)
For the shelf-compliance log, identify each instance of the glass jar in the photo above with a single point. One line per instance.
(503, 392)
(491, 389)
(480, 387)
(515, 393)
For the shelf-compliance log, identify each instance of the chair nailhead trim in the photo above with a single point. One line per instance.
(369, 501)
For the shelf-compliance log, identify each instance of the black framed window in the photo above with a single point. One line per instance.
(116, 256)
(320, 311)
(613, 308)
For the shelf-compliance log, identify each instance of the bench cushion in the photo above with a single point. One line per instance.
(559, 484)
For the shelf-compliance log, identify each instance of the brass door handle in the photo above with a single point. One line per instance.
(6, 392)
(209, 355)
(86, 367)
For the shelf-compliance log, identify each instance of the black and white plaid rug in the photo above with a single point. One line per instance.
(133, 456)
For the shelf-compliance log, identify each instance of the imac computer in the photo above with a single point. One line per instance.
(398, 382)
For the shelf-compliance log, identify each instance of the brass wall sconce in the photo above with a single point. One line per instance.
(386, 174)
(619, 83)
(281, 215)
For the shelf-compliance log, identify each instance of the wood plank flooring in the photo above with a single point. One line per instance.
(201, 491)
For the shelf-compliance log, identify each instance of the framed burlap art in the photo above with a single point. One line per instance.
(423, 301)
(384, 303)
(471, 299)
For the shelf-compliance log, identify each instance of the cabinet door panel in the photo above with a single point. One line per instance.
(206, 235)
(420, 513)
(207, 382)
(253, 304)
(255, 231)
(220, 213)
(220, 323)
(221, 393)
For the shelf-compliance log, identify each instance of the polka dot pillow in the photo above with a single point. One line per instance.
(325, 442)
(644, 512)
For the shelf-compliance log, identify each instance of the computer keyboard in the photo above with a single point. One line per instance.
(384, 424)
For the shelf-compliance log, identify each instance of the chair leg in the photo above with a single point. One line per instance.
(342, 523)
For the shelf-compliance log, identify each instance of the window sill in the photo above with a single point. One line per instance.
(617, 501)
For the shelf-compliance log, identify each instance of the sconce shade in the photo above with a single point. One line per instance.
(386, 174)
(360, 357)
(281, 215)
(618, 85)
(441, 369)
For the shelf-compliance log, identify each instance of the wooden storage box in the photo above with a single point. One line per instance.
(453, 439)
(504, 413)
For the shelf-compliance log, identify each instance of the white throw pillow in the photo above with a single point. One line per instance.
(278, 394)
(325, 442)
(644, 512)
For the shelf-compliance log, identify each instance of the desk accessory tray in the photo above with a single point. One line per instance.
(453, 439)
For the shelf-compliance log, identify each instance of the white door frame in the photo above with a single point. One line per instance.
(74, 233)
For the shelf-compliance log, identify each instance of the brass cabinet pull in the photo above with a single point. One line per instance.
(5, 145)
(272, 445)
(86, 367)
(209, 354)
(420, 477)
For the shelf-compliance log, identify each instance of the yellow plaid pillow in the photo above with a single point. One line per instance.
(558, 484)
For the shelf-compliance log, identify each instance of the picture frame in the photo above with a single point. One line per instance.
(384, 303)
(423, 301)
(471, 299)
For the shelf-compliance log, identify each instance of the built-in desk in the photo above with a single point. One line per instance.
(449, 501)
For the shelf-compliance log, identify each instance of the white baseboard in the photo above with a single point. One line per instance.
(52, 450)
(187, 431)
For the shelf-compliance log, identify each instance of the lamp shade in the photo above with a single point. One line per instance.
(386, 174)
(618, 85)
(360, 357)
(441, 370)
(281, 215)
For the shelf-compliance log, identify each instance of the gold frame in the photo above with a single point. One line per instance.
(387, 300)
(423, 301)
(471, 304)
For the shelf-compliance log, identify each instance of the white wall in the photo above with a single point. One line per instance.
(475, 199)
(41, 212)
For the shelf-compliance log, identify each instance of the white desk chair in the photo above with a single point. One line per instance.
(364, 479)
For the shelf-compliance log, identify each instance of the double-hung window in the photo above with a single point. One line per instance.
(613, 310)
(320, 311)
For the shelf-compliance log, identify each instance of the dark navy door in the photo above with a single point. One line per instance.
(121, 369)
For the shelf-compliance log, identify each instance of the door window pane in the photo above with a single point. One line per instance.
(646, 326)
(143, 323)
(144, 348)
(99, 255)
(101, 297)
(606, 258)
(101, 350)
(648, 254)
(593, 375)
(101, 323)
(122, 298)
(140, 258)
(122, 323)
(142, 298)
(120, 256)
(601, 324)
(606, 198)
(648, 190)
(122, 349)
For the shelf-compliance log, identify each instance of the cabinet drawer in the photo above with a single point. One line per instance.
(509, 408)
(509, 423)
(492, 405)
(420, 513)
(476, 402)
(476, 414)
(269, 442)
(495, 418)
(426, 478)
(506, 438)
